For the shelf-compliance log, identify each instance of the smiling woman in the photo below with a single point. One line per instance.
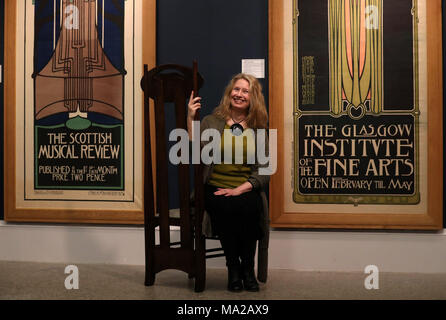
(234, 191)
(243, 97)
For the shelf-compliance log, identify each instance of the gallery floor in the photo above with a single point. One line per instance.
(36, 281)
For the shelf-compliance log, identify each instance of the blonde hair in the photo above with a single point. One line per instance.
(257, 116)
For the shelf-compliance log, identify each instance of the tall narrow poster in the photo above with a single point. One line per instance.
(78, 108)
(356, 98)
(356, 104)
(78, 79)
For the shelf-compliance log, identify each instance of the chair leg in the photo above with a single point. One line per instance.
(200, 265)
(200, 282)
(150, 276)
(150, 280)
(200, 279)
(149, 257)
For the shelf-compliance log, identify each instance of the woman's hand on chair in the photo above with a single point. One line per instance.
(193, 105)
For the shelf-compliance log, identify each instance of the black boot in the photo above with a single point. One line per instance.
(231, 249)
(248, 252)
(249, 280)
(234, 279)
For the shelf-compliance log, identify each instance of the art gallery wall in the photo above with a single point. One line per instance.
(218, 34)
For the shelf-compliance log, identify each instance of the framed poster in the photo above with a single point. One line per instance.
(74, 109)
(2, 19)
(356, 98)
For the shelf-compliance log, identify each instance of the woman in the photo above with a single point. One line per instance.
(233, 190)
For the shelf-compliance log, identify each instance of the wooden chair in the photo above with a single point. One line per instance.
(163, 84)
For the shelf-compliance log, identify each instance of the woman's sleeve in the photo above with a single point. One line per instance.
(205, 124)
(259, 181)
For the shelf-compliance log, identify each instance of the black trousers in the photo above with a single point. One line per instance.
(236, 221)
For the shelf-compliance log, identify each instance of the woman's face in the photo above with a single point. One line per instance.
(240, 95)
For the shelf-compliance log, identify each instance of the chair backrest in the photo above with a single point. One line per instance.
(167, 84)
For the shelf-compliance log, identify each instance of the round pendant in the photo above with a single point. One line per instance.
(237, 129)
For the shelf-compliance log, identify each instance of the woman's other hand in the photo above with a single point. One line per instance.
(227, 192)
(245, 187)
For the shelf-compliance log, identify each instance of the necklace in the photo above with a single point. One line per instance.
(237, 128)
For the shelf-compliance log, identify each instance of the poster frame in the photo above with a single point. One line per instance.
(69, 213)
(429, 219)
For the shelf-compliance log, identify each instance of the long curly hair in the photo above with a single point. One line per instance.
(257, 116)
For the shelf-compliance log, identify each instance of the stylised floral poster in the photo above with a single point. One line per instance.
(79, 104)
(356, 111)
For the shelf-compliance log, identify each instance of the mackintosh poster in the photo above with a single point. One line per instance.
(78, 107)
(78, 98)
(356, 101)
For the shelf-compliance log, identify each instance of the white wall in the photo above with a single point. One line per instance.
(421, 252)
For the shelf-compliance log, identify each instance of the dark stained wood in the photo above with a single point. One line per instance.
(161, 165)
(172, 83)
(149, 209)
(200, 257)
